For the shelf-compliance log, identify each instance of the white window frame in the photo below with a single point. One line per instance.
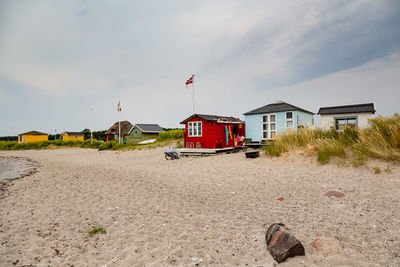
(195, 125)
(269, 131)
(291, 119)
(346, 118)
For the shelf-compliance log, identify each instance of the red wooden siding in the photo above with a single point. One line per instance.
(213, 134)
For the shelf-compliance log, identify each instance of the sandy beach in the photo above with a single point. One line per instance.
(194, 211)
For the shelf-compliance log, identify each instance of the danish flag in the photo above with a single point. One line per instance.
(190, 80)
(119, 107)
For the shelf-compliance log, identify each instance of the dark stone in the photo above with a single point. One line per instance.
(282, 243)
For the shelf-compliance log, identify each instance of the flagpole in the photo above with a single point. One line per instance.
(91, 125)
(119, 128)
(194, 112)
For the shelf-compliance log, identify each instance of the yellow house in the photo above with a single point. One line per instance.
(72, 136)
(32, 136)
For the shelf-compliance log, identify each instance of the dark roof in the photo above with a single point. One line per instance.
(149, 128)
(126, 126)
(276, 107)
(34, 133)
(212, 118)
(73, 133)
(369, 107)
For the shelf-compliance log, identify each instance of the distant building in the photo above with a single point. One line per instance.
(32, 136)
(113, 132)
(142, 131)
(339, 116)
(264, 122)
(212, 131)
(72, 136)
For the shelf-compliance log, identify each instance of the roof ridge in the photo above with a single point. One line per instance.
(351, 105)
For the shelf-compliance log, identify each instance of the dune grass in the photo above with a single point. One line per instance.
(13, 145)
(97, 230)
(170, 135)
(380, 140)
(164, 139)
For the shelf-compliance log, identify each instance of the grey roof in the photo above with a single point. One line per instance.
(212, 118)
(34, 133)
(149, 128)
(359, 108)
(126, 126)
(279, 106)
(73, 133)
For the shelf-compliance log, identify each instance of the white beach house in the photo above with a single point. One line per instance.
(339, 116)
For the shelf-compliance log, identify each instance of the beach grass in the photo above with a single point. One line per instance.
(14, 145)
(380, 140)
(171, 135)
(97, 230)
(164, 139)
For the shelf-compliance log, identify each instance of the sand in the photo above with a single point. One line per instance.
(193, 211)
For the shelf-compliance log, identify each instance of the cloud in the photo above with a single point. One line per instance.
(75, 54)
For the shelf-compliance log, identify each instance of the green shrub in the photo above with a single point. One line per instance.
(170, 135)
(107, 145)
(8, 145)
(97, 230)
(88, 144)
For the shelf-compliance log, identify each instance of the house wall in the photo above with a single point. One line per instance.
(67, 137)
(254, 123)
(327, 121)
(32, 138)
(253, 127)
(305, 119)
(137, 135)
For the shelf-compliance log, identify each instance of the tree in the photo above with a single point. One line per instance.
(86, 132)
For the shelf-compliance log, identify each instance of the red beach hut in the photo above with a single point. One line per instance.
(212, 131)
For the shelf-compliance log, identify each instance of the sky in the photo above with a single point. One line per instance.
(64, 65)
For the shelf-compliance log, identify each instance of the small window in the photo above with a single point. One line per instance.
(340, 123)
(190, 129)
(289, 119)
(268, 126)
(20, 138)
(195, 128)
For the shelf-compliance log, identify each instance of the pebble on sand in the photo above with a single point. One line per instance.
(335, 194)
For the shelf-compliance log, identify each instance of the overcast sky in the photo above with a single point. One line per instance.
(58, 59)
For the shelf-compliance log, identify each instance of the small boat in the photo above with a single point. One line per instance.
(145, 142)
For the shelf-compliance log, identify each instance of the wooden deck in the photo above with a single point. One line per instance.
(256, 145)
(203, 151)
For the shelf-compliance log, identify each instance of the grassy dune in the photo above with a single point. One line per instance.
(380, 140)
(165, 138)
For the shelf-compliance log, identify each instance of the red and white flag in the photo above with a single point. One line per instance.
(190, 80)
(119, 107)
